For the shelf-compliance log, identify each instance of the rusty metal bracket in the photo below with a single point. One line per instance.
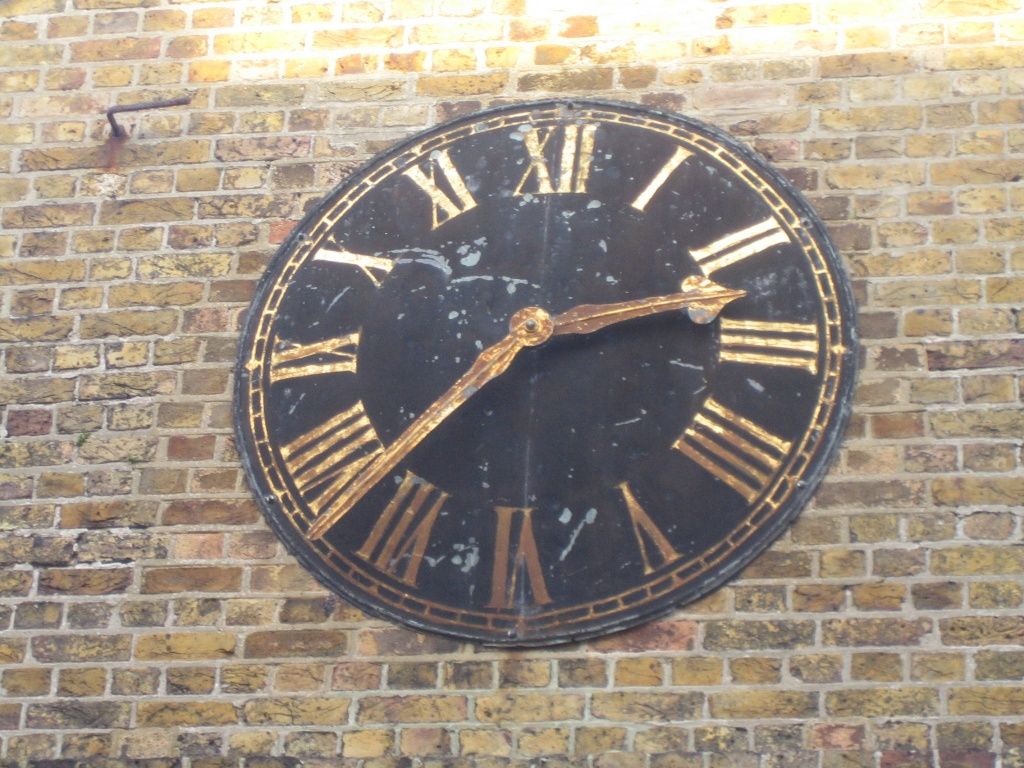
(118, 132)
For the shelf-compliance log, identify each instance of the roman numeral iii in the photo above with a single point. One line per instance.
(324, 460)
(573, 162)
(655, 549)
(289, 360)
(448, 203)
(516, 561)
(400, 536)
(736, 450)
(792, 345)
(739, 245)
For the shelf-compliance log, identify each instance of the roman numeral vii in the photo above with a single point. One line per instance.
(400, 535)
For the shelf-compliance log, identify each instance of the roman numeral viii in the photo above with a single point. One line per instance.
(737, 451)
(740, 245)
(448, 203)
(324, 460)
(400, 536)
(573, 162)
(792, 345)
(516, 558)
(290, 360)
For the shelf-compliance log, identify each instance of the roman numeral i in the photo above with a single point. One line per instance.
(660, 178)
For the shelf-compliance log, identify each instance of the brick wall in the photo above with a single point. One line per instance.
(148, 613)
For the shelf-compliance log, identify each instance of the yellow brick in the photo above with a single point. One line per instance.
(209, 71)
(990, 57)
(185, 646)
(481, 30)
(638, 672)
(258, 42)
(454, 60)
(490, 742)
(957, 8)
(528, 707)
(68, 357)
(504, 57)
(534, 742)
(461, 85)
(986, 700)
(366, 743)
(169, 714)
(762, 703)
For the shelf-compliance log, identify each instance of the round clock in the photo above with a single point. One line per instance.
(545, 371)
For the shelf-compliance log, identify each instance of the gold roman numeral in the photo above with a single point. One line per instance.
(573, 163)
(369, 264)
(401, 534)
(740, 245)
(515, 554)
(740, 453)
(792, 345)
(660, 178)
(323, 461)
(289, 360)
(649, 538)
(445, 204)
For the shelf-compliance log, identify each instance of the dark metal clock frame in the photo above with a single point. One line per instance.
(545, 372)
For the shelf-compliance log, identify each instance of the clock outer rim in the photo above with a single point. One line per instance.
(824, 455)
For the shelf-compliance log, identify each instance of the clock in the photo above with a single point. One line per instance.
(545, 372)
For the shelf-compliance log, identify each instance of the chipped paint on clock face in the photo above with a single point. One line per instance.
(545, 372)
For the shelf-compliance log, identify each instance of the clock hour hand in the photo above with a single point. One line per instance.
(702, 298)
(527, 328)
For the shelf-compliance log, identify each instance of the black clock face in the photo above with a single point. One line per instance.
(545, 372)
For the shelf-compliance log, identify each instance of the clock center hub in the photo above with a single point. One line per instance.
(532, 325)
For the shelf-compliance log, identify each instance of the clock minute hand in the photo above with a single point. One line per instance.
(527, 328)
(702, 297)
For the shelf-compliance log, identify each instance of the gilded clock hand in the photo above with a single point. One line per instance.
(701, 297)
(527, 328)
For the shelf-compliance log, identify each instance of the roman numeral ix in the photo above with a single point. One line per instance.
(448, 203)
(737, 451)
(324, 460)
(400, 536)
(740, 245)
(573, 162)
